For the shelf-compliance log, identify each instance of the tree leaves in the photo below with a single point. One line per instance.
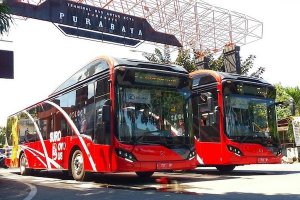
(5, 18)
(186, 59)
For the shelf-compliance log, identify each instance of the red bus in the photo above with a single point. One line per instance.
(113, 115)
(234, 120)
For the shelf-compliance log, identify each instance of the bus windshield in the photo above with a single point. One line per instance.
(153, 115)
(250, 119)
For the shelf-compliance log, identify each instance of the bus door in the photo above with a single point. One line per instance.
(102, 135)
(207, 127)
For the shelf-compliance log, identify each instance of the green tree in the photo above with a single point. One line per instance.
(5, 18)
(246, 65)
(185, 59)
(2, 136)
(158, 56)
(283, 110)
(294, 92)
(290, 132)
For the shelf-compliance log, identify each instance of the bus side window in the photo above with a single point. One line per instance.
(30, 129)
(67, 102)
(43, 128)
(209, 131)
(44, 119)
(63, 127)
(84, 109)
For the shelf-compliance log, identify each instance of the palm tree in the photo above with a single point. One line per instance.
(158, 56)
(5, 18)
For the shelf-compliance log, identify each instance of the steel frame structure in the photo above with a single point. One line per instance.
(195, 23)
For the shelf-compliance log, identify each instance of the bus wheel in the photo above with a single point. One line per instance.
(77, 166)
(24, 170)
(144, 174)
(225, 168)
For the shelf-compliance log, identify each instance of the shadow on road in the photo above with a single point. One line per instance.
(160, 181)
(240, 172)
(131, 186)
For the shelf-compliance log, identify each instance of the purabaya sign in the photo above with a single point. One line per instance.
(86, 21)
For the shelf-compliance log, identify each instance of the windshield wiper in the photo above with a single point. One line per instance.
(163, 137)
(253, 139)
(141, 137)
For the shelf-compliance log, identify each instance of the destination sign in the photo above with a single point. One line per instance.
(154, 79)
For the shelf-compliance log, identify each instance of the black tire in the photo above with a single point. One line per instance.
(225, 168)
(77, 166)
(144, 174)
(24, 170)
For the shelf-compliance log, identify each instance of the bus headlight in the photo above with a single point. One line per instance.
(191, 155)
(235, 150)
(277, 152)
(126, 155)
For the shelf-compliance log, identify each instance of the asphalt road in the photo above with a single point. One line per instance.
(257, 182)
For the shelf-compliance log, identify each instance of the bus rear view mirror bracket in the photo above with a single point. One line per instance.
(106, 111)
(217, 115)
(210, 103)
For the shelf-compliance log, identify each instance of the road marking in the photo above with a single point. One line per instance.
(32, 192)
(20, 179)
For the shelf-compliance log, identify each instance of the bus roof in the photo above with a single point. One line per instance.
(104, 63)
(223, 76)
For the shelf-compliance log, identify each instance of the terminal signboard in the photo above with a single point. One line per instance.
(85, 21)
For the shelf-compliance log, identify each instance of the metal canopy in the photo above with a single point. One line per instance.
(196, 24)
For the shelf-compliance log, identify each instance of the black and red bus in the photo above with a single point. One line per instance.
(234, 120)
(113, 115)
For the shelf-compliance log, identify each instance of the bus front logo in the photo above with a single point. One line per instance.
(162, 154)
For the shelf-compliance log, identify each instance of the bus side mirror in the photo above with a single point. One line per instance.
(217, 115)
(210, 103)
(292, 107)
(106, 111)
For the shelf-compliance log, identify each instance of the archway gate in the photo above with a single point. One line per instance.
(192, 24)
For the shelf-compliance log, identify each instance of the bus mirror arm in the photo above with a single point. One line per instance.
(210, 104)
(106, 111)
(279, 103)
(217, 115)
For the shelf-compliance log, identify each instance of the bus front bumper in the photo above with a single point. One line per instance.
(129, 166)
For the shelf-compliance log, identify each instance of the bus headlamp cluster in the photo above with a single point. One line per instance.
(192, 155)
(278, 152)
(235, 150)
(126, 155)
(275, 150)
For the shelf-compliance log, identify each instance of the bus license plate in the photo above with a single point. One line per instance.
(161, 166)
(262, 160)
